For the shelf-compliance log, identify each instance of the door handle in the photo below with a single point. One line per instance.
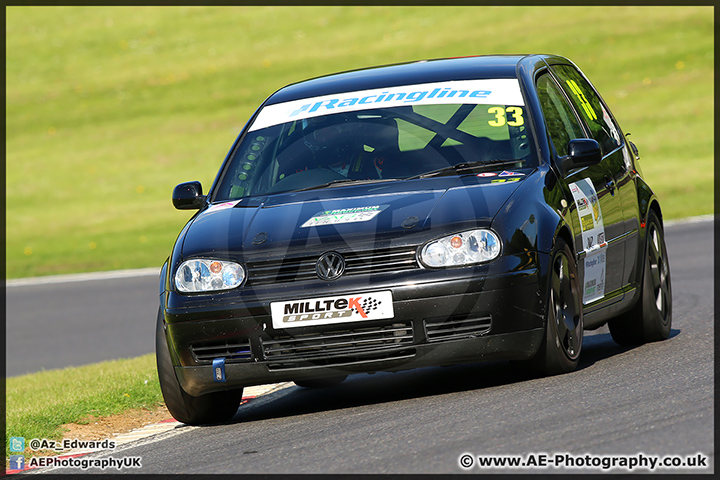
(610, 184)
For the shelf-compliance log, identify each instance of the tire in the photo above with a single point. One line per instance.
(651, 318)
(560, 350)
(321, 382)
(214, 407)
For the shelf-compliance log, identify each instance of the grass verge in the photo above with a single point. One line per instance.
(38, 404)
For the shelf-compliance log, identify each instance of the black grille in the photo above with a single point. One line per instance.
(238, 351)
(339, 347)
(444, 329)
(356, 263)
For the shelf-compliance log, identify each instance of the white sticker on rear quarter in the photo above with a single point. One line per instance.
(331, 310)
(594, 276)
(593, 238)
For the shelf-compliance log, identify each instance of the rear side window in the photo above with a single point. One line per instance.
(560, 120)
(590, 107)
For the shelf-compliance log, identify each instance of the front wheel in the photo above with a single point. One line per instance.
(209, 408)
(651, 318)
(560, 350)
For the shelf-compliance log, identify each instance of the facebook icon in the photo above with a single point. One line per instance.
(17, 462)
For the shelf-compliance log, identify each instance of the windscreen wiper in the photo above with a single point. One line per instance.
(459, 167)
(343, 181)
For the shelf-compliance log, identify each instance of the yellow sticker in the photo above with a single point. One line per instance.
(501, 116)
(587, 222)
(583, 100)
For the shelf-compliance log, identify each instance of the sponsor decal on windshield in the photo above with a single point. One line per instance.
(329, 310)
(344, 215)
(499, 91)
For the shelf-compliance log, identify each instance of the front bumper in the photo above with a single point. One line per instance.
(442, 317)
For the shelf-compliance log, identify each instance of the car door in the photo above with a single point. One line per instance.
(595, 211)
(616, 161)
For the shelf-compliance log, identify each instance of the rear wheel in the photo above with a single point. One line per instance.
(560, 350)
(651, 318)
(209, 408)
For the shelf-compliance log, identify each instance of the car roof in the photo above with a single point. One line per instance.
(424, 71)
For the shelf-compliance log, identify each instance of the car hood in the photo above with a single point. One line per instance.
(345, 218)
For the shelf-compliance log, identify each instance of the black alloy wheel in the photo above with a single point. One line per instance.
(651, 318)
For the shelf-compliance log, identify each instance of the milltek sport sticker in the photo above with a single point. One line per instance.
(329, 310)
(344, 215)
(503, 91)
(593, 238)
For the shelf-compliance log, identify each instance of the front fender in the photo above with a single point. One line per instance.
(163, 279)
(532, 217)
(646, 200)
(164, 289)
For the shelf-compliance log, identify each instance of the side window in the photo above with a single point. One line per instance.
(560, 120)
(588, 103)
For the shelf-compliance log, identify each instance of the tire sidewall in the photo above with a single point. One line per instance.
(169, 385)
(206, 409)
(552, 358)
(655, 326)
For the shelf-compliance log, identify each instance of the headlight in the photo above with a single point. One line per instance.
(208, 275)
(474, 246)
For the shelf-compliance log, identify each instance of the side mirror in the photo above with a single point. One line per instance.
(188, 196)
(582, 152)
(633, 147)
(635, 151)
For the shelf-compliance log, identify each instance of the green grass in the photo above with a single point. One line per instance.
(108, 108)
(39, 403)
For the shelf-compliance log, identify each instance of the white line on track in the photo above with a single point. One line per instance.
(683, 221)
(83, 277)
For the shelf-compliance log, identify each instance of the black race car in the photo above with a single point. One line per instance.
(422, 214)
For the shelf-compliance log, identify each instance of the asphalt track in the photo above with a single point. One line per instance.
(654, 400)
(74, 320)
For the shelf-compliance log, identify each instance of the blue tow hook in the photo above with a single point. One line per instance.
(219, 370)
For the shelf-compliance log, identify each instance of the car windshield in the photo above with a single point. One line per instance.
(375, 145)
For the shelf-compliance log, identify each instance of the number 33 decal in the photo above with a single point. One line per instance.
(501, 114)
